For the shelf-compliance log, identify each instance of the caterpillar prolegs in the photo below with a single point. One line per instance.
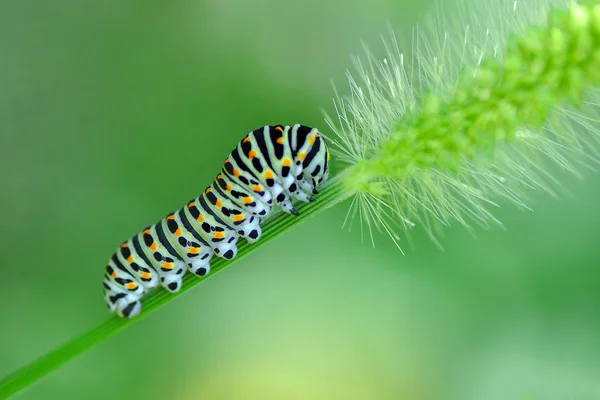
(271, 166)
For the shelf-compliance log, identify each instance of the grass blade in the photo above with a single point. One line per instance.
(331, 194)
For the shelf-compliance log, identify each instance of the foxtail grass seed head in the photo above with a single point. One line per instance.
(472, 113)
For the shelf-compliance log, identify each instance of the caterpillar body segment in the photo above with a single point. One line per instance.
(140, 267)
(163, 256)
(235, 217)
(271, 166)
(190, 247)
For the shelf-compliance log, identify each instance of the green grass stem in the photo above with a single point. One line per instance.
(331, 194)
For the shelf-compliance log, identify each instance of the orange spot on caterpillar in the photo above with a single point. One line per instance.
(236, 172)
(226, 160)
(171, 217)
(132, 286)
(247, 139)
(280, 140)
(219, 203)
(312, 139)
(153, 247)
(192, 204)
(194, 250)
(257, 188)
(178, 232)
(247, 200)
(146, 275)
(148, 231)
(302, 156)
(207, 190)
(114, 274)
(238, 217)
(124, 245)
(279, 128)
(168, 265)
(219, 176)
(269, 174)
(228, 187)
(219, 235)
(252, 154)
(287, 162)
(130, 259)
(200, 218)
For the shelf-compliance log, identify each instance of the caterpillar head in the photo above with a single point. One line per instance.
(312, 154)
(317, 171)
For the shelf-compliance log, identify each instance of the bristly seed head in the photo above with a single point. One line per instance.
(475, 117)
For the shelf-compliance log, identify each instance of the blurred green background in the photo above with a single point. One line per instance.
(113, 113)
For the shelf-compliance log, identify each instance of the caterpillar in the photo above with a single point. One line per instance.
(271, 166)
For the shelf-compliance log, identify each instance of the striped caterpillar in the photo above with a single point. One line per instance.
(270, 166)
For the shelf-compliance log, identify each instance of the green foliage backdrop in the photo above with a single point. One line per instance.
(113, 113)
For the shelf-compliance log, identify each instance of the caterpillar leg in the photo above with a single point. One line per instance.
(128, 307)
(250, 230)
(131, 310)
(171, 274)
(282, 199)
(227, 250)
(199, 267)
(305, 185)
(285, 199)
(199, 262)
(287, 206)
(293, 189)
(171, 282)
(125, 304)
(172, 271)
(301, 195)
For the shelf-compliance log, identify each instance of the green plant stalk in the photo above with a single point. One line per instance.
(331, 194)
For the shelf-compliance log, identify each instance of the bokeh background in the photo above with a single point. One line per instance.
(112, 113)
